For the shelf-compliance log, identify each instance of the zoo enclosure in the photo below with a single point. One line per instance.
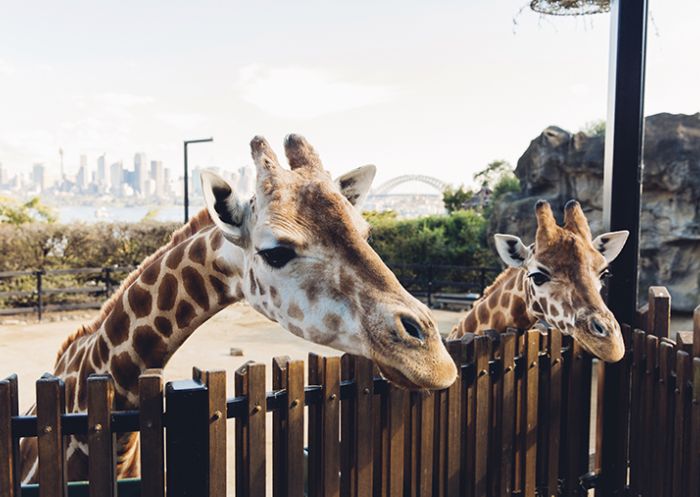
(516, 422)
(88, 287)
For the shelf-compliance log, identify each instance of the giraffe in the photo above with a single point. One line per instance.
(557, 279)
(297, 252)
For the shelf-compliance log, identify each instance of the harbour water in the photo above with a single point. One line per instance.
(120, 214)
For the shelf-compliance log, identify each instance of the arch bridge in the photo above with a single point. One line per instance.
(386, 187)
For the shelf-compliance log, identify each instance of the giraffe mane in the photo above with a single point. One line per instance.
(497, 282)
(198, 222)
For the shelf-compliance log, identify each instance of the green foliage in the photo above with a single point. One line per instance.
(12, 212)
(508, 183)
(458, 238)
(594, 128)
(455, 198)
(493, 172)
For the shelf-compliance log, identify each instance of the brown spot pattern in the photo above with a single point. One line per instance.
(217, 240)
(553, 311)
(150, 346)
(295, 329)
(125, 372)
(184, 314)
(332, 321)
(221, 290)
(175, 256)
(164, 326)
(276, 301)
(221, 266)
(483, 314)
(198, 250)
(505, 299)
(195, 287)
(117, 324)
(295, 312)
(140, 301)
(253, 284)
(104, 349)
(167, 292)
(150, 274)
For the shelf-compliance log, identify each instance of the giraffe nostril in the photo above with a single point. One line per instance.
(412, 328)
(598, 328)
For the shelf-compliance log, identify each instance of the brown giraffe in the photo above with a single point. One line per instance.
(297, 252)
(557, 280)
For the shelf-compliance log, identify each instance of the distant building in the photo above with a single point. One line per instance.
(82, 179)
(116, 177)
(140, 173)
(102, 176)
(158, 176)
(167, 189)
(480, 199)
(39, 175)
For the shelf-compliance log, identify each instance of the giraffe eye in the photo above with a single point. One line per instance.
(538, 278)
(605, 274)
(278, 257)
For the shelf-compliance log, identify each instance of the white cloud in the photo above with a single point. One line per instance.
(184, 121)
(305, 93)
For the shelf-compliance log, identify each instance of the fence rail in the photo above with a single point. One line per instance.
(438, 285)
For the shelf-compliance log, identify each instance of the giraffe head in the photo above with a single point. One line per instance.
(566, 270)
(302, 245)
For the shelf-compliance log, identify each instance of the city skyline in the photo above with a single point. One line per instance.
(361, 81)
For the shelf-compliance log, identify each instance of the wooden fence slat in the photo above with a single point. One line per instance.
(215, 382)
(50, 395)
(496, 414)
(530, 383)
(636, 406)
(694, 468)
(9, 446)
(396, 408)
(543, 403)
(412, 446)
(482, 418)
(555, 405)
(453, 418)
(508, 413)
(348, 446)
(469, 417)
(681, 433)
(364, 386)
(664, 426)
(324, 453)
(659, 316)
(151, 433)
(427, 433)
(101, 440)
(576, 426)
(288, 429)
(250, 431)
(380, 459)
(439, 443)
(649, 413)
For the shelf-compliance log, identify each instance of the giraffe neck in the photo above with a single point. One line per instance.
(504, 305)
(170, 299)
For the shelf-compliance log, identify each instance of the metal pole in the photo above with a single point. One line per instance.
(39, 294)
(187, 193)
(621, 211)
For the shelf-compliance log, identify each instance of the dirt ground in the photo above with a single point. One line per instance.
(29, 349)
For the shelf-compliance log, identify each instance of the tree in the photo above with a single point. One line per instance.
(455, 198)
(594, 128)
(492, 173)
(32, 211)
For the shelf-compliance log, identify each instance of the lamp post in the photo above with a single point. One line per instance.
(187, 193)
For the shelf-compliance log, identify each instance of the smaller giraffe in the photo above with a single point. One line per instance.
(557, 280)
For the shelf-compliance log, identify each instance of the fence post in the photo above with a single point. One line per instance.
(694, 484)
(659, 317)
(108, 280)
(187, 439)
(250, 431)
(151, 426)
(9, 446)
(50, 405)
(39, 295)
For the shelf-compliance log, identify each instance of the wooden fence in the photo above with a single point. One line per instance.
(516, 422)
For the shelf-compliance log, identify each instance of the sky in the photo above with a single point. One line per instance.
(415, 87)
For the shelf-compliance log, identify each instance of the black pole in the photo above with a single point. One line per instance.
(624, 139)
(187, 193)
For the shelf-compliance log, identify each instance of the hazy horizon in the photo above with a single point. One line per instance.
(410, 86)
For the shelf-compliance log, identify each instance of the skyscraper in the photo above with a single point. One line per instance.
(83, 178)
(102, 178)
(116, 176)
(158, 177)
(39, 175)
(140, 173)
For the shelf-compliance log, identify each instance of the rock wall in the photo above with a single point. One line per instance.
(559, 166)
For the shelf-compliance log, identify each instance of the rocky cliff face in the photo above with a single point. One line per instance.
(559, 166)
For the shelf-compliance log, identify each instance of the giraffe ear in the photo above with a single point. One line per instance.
(610, 244)
(223, 205)
(511, 249)
(355, 184)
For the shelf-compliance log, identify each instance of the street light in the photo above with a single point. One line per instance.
(187, 193)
